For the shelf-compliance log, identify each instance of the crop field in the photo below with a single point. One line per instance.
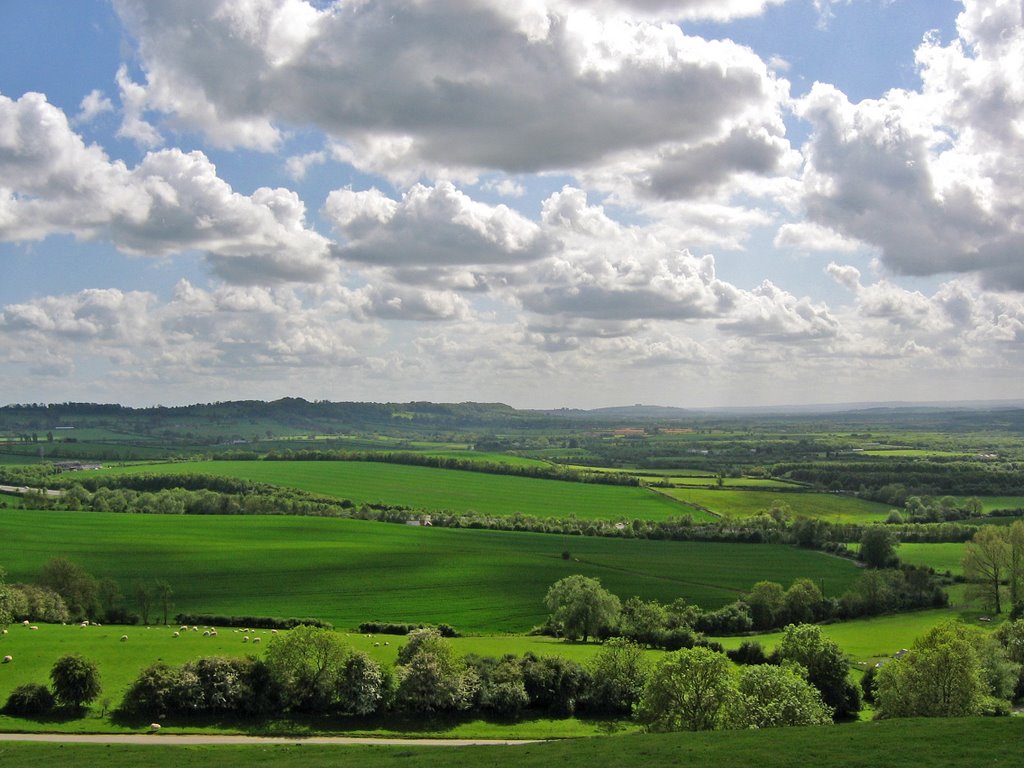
(941, 557)
(442, 489)
(349, 571)
(826, 506)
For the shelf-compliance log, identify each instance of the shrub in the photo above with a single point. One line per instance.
(618, 675)
(153, 692)
(750, 652)
(431, 678)
(28, 700)
(553, 683)
(76, 680)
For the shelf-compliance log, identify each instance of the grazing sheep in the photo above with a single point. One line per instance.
(154, 727)
(245, 639)
(206, 633)
(386, 643)
(4, 632)
(273, 631)
(376, 645)
(176, 634)
(33, 627)
(25, 622)
(8, 659)
(124, 638)
(256, 639)
(213, 633)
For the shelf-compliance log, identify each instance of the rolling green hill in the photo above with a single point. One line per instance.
(349, 571)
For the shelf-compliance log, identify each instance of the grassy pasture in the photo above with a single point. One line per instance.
(942, 557)
(913, 453)
(440, 489)
(866, 639)
(119, 663)
(827, 506)
(990, 504)
(349, 571)
(730, 482)
(937, 743)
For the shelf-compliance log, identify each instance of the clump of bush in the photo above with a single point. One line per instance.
(263, 622)
(29, 700)
(394, 628)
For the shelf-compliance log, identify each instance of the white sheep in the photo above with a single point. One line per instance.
(213, 633)
(33, 627)
(124, 638)
(154, 727)
(8, 659)
(273, 631)
(256, 639)
(245, 639)
(376, 645)
(183, 628)
(176, 634)
(206, 633)
(26, 622)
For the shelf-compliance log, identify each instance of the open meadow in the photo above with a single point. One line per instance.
(834, 507)
(429, 488)
(350, 571)
(937, 743)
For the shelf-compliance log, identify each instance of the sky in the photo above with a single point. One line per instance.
(547, 203)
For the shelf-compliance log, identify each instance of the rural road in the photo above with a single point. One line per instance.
(199, 739)
(22, 489)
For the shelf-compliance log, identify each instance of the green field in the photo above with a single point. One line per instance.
(939, 743)
(441, 489)
(349, 571)
(866, 639)
(119, 663)
(826, 506)
(730, 482)
(941, 557)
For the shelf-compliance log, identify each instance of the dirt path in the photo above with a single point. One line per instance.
(182, 739)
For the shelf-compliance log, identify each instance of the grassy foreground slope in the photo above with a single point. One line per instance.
(349, 571)
(441, 489)
(912, 743)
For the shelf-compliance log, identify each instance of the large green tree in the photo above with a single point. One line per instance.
(941, 676)
(307, 663)
(6, 602)
(435, 679)
(769, 696)
(1015, 561)
(618, 674)
(877, 547)
(689, 690)
(76, 681)
(827, 668)
(581, 607)
(74, 584)
(767, 601)
(986, 557)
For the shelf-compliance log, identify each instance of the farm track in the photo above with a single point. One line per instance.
(184, 739)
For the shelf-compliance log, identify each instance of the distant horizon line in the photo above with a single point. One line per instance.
(819, 407)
